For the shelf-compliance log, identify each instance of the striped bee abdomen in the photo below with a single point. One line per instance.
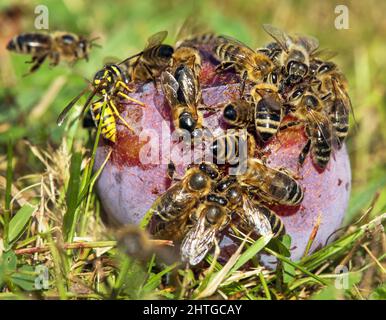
(339, 119)
(30, 43)
(268, 117)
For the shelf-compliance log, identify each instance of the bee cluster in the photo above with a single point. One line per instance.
(288, 77)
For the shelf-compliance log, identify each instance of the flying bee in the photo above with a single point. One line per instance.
(173, 208)
(54, 46)
(269, 112)
(209, 220)
(110, 83)
(183, 94)
(233, 147)
(296, 51)
(138, 244)
(255, 216)
(152, 60)
(273, 185)
(250, 64)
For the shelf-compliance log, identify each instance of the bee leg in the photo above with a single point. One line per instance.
(55, 57)
(242, 87)
(224, 66)
(289, 125)
(32, 60)
(303, 154)
(171, 170)
(115, 110)
(37, 64)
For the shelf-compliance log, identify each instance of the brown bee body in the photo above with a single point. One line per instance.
(268, 110)
(248, 63)
(296, 52)
(173, 208)
(255, 216)
(274, 186)
(233, 148)
(209, 220)
(53, 46)
(183, 95)
(150, 62)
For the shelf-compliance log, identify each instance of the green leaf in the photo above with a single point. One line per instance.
(69, 220)
(19, 222)
(25, 278)
(251, 252)
(288, 269)
(361, 199)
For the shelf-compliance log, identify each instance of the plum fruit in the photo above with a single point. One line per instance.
(135, 175)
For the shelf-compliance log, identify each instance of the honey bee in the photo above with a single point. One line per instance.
(111, 82)
(255, 216)
(138, 244)
(272, 185)
(54, 46)
(318, 129)
(250, 64)
(188, 56)
(339, 114)
(183, 94)
(152, 60)
(296, 52)
(233, 147)
(269, 111)
(239, 113)
(173, 208)
(332, 86)
(209, 220)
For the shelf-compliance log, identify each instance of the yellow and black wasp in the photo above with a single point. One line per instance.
(110, 83)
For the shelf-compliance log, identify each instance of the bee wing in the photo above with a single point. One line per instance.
(279, 35)
(324, 126)
(188, 86)
(62, 116)
(198, 241)
(156, 39)
(170, 87)
(324, 54)
(234, 41)
(254, 216)
(310, 43)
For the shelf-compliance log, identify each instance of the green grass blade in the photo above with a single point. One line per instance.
(69, 220)
(19, 222)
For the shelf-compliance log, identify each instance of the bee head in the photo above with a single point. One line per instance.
(297, 68)
(165, 51)
(209, 169)
(230, 112)
(213, 214)
(310, 102)
(187, 122)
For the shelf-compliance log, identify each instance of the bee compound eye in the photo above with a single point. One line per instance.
(233, 195)
(187, 122)
(310, 101)
(166, 51)
(213, 214)
(230, 112)
(198, 181)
